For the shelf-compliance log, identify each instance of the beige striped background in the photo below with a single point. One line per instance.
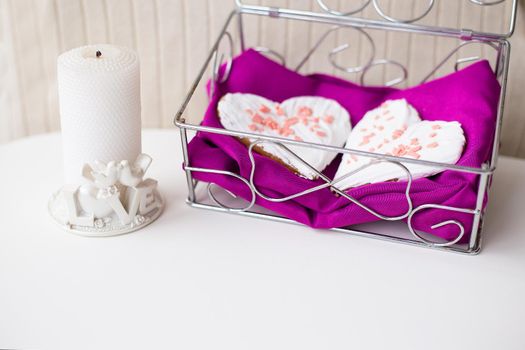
(174, 36)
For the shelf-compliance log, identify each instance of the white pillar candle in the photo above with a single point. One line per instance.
(99, 95)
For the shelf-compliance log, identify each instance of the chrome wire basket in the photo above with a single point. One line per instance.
(349, 26)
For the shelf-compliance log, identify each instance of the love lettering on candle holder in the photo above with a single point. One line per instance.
(114, 199)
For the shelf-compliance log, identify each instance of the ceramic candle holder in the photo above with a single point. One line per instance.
(114, 199)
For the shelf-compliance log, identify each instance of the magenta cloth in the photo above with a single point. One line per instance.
(469, 96)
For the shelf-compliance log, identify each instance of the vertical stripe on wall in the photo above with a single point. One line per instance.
(6, 79)
(195, 49)
(147, 36)
(96, 31)
(12, 90)
(395, 40)
(172, 60)
(30, 67)
(49, 42)
(298, 38)
(514, 123)
(121, 24)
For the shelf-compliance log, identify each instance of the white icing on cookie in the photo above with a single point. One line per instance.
(395, 129)
(378, 128)
(307, 118)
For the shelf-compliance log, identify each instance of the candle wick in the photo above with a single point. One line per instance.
(99, 54)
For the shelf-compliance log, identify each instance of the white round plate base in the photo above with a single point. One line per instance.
(103, 227)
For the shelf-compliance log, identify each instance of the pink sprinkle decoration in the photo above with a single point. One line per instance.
(249, 111)
(400, 150)
(297, 138)
(279, 110)
(271, 123)
(304, 120)
(257, 119)
(436, 127)
(354, 157)
(285, 132)
(433, 134)
(380, 145)
(252, 127)
(305, 111)
(413, 155)
(321, 134)
(291, 121)
(329, 119)
(389, 118)
(433, 145)
(397, 134)
(403, 150)
(414, 141)
(366, 139)
(264, 109)
(380, 127)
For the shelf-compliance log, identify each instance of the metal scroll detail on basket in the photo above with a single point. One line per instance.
(332, 184)
(379, 9)
(362, 70)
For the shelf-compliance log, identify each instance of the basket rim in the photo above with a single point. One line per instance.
(322, 15)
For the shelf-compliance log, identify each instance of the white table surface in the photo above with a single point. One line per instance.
(203, 280)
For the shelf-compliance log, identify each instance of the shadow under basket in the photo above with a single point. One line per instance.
(444, 211)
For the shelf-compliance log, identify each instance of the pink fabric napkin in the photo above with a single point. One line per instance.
(469, 96)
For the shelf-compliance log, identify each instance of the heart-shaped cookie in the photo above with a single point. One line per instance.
(394, 128)
(306, 118)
